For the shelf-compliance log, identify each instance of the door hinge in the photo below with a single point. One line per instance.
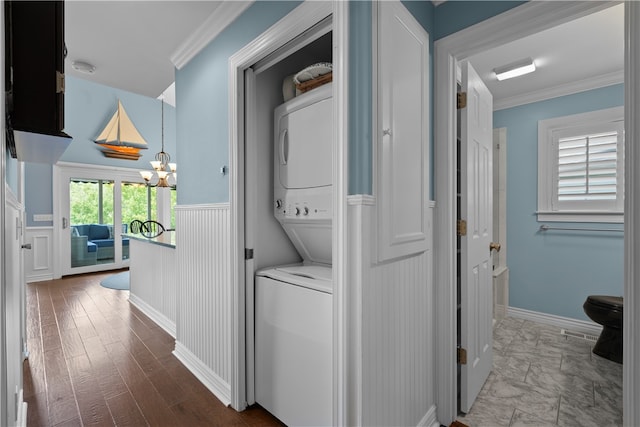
(461, 227)
(461, 100)
(248, 253)
(462, 356)
(60, 87)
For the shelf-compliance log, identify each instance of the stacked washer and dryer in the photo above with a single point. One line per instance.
(293, 303)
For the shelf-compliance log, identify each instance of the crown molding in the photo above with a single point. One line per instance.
(220, 19)
(560, 90)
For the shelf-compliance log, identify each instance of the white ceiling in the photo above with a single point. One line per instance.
(130, 43)
(584, 53)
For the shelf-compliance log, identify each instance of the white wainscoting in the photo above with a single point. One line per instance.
(153, 279)
(38, 262)
(204, 323)
(392, 379)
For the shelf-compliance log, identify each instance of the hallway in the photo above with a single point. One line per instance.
(94, 359)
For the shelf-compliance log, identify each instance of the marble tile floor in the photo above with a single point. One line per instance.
(542, 378)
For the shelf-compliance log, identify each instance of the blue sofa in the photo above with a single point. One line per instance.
(87, 239)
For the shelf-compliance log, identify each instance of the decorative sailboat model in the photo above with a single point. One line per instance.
(120, 139)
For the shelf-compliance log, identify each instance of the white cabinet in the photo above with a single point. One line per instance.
(402, 133)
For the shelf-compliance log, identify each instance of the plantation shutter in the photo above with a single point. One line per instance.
(587, 167)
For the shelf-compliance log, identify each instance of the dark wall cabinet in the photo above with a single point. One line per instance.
(34, 61)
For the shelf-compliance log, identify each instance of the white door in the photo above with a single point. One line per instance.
(403, 138)
(14, 311)
(476, 204)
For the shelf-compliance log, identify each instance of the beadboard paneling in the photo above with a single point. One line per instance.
(204, 324)
(153, 279)
(392, 381)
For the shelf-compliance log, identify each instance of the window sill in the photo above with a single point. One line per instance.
(581, 216)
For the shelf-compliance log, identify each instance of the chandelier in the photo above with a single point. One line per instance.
(161, 165)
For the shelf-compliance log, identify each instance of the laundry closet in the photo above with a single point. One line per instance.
(288, 229)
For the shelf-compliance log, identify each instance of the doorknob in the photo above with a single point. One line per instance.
(494, 245)
(26, 246)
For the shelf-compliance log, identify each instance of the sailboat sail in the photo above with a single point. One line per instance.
(120, 138)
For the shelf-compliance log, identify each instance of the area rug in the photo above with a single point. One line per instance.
(119, 281)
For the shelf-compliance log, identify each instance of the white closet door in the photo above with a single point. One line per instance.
(403, 132)
(476, 206)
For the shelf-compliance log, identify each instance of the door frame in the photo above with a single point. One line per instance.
(295, 23)
(524, 20)
(62, 172)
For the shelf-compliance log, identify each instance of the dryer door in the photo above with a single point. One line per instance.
(303, 146)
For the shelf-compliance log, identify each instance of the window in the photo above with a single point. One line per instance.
(581, 167)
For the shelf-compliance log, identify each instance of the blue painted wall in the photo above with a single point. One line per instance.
(554, 272)
(202, 99)
(88, 108)
(453, 16)
(201, 92)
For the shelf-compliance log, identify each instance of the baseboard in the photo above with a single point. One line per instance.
(39, 278)
(160, 319)
(553, 320)
(429, 419)
(220, 388)
(22, 411)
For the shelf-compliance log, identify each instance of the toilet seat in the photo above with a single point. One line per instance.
(606, 301)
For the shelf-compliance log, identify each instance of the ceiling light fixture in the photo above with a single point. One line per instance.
(83, 67)
(161, 165)
(516, 69)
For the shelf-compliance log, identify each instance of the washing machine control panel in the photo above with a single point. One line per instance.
(303, 205)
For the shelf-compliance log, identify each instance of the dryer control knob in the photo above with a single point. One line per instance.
(305, 211)
(278, 204)
(297, 211)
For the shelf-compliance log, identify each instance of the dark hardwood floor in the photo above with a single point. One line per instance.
(94, 359)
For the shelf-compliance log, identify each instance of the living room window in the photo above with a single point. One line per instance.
(581, 167)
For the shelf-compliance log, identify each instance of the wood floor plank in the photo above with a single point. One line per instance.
(153, 406)
(119, 367)
(62, 401)
(72, 343)
(91, 405)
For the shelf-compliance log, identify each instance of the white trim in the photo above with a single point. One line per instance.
(219, 387)
(21, 420)
(571, 88)
(160, 319)
(341, 269)
(361, 200)
(220, 19)
(581, 216)
(561, 322)
(548, 163)
(631, 322)
(295, 23)
(526, 19)
(429, 419)
(204, 207)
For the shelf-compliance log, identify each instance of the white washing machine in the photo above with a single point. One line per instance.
(293, 304)
(294, 344)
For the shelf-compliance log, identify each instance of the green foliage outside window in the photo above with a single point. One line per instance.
(87, 209)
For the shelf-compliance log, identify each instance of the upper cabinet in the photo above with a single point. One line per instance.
(34, 80)
(402, 133)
